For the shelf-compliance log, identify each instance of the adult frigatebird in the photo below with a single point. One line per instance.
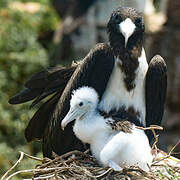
(117, 70)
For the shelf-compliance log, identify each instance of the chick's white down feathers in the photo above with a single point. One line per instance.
(116, 149)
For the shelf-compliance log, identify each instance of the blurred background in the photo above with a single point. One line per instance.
(36, 34)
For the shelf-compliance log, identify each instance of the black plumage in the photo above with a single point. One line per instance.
(100, 57)
(38, 123)
(44, 83)
(156, 87)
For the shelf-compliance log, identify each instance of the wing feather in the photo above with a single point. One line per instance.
(44, 83)
(156, 86)
(94, 71)
(37, 125)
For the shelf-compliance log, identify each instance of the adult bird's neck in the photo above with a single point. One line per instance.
(133, 48)
(127, 56)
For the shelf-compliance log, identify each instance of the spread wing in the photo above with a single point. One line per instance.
(43, 84)
(156, 85)
(94, 71)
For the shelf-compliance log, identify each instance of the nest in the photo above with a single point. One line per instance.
(81, 165)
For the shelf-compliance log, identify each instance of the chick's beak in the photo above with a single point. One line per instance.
(71, 115)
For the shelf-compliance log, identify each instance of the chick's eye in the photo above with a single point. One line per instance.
(117, 18)
(81, 104)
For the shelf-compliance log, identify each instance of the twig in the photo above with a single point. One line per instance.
(137, 169)
(36, 170)
(168, 155)
(150, 128)
(156, 140)
(65, 156)
(19, 160)
(42, 177)
(174, 147)
(32, 157)
(103, 174)
(159, 160)
(175, 153)
(56, 159)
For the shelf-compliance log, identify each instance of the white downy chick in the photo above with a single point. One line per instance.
(115, 149)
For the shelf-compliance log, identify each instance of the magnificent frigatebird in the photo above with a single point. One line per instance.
(114, 144)
(119, 73)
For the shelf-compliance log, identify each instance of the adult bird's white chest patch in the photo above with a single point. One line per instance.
(116, 94)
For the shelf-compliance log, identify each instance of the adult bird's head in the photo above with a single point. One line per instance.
(125, 29)
(83, 102)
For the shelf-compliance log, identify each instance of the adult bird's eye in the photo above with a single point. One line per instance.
(81, 104)
(117, 18)
(138, 21)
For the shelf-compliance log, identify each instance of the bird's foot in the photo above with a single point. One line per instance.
(114, 166)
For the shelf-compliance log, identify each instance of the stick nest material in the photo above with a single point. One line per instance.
(81, 166)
